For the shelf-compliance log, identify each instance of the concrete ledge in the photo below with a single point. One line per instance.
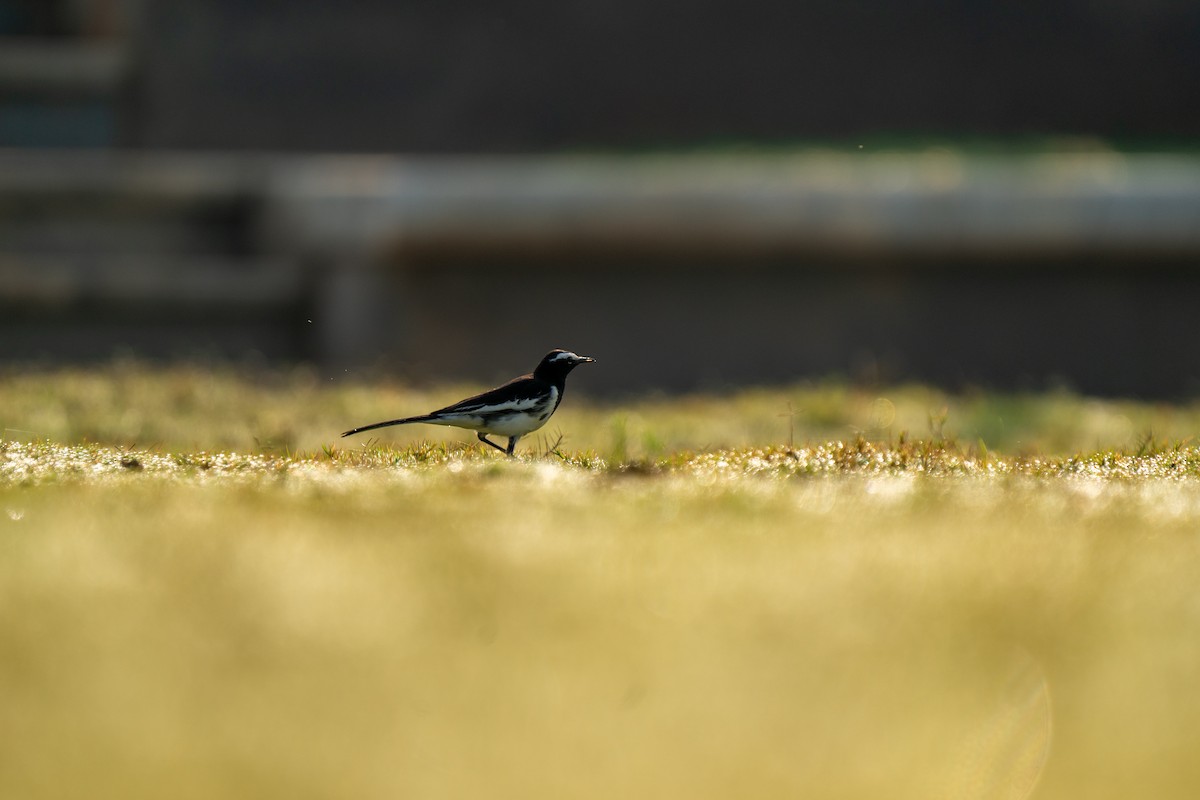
(936, 203)
(930, 204)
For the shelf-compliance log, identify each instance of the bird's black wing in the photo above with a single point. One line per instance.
(515, 395)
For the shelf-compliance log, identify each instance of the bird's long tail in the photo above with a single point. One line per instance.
(405, 421)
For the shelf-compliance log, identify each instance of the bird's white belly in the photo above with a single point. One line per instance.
(518, 425)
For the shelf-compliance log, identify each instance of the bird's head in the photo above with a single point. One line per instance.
(560, 362)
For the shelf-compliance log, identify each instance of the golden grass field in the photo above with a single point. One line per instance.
(204, 593)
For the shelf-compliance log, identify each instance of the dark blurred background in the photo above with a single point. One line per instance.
(701, 195)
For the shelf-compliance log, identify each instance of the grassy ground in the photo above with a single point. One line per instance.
(200, 592)
(192, 408)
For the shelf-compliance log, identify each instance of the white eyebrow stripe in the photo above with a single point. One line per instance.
(564, 355)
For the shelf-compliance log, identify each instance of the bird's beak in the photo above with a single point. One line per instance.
(585, 360)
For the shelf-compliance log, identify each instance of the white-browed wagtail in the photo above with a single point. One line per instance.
(515, 409)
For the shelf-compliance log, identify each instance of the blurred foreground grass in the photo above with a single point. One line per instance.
(838, 620)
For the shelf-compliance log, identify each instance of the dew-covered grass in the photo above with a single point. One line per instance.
(674, 600)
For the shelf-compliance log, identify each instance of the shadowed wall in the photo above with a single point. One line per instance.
(376, 75)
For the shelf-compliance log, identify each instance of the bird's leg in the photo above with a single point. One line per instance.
(483, 438)
(512, 442)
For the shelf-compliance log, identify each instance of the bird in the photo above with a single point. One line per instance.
(513, 409)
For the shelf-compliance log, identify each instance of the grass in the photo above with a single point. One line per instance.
(216, 407)
(674, 601)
